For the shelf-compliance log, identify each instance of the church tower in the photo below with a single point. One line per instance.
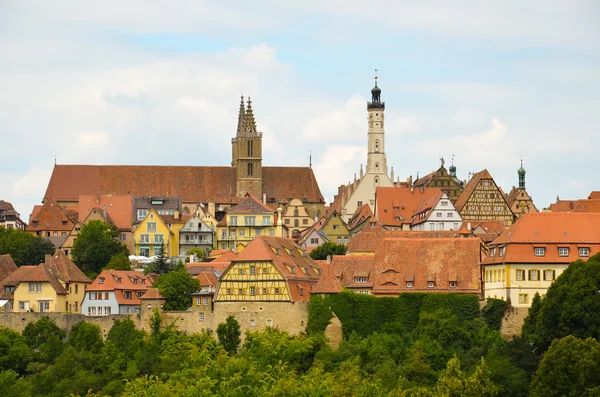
(376, 160)
(246, 154)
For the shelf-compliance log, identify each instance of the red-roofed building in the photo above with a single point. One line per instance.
(7, 267)
(396, 207)
(115, 292)
(529, 255)
(9, 217)
(591, 204)
(51, 222)
(268, 284)
(443, 179)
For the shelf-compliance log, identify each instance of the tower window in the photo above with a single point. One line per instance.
(376, 166)
(377, 145)
(249, 169)
(249, 148)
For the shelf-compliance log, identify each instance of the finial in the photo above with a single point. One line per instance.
(453, 159)
(55, 159)
(310, 159)
(376, 76)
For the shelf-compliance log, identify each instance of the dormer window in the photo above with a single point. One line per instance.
(360, 280)
(101, 280)
(501, 251)
(492, 252)
(539, 251)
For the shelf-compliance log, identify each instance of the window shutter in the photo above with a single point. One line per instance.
(553, 274)
(544, 274)
(529, 274)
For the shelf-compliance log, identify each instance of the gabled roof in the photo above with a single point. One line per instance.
(250, 205)
(7, 266)
(207, 279)
(424, 180)
(119, 208)
(67, 270)
(193, 184)
(50, 217)
(347, 267)
(328, 283)
(462, 199)
(397, 205)
(6, 206)
(40, 273)
(368, 240)
(362, 214)
(425, 207)
(152, 293)
(594, 195)
(119, 281)
(487, 231)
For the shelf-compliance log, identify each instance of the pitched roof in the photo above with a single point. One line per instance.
(397, 205)
(6, 206)
(207, 279)
(67, 270)
(347, 267)
(594, 195)
(131, 280)
(193, 184)
(249, 205)
(361, 214)
(420, 261)
(422, 181)
(152, 293)
(369, 240)
(7, 266)
(40, 273)
(462, 199)
(50, 217)
(425, 207)
(119, 208)
(328, 283)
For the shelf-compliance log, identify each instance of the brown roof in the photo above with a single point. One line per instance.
(328, 283)
(423, 180)
(7, 266)
(344, 193)
(122, 280)
(423, 211)
(50, 217)
(40, 273)
(369, 241)
(191, 183)
(118, 208)
(397, 205)
(152, 293)
(6, 206)
(585, 205)
(420, 261)
(67, 270)
(462, 199)
(249, 205)
(361, 214)
(207, 279)
(347, 267)
(594, 195)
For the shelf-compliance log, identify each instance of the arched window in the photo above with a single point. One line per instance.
(376, 166)
(296, 213)
(377, 145)
(249, 169)
(376, 181)
(249, 148)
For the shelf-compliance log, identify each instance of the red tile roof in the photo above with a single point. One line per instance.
(122, 280)
(7, 266)
(39, 273)
(594, 195)
(152, 293)
(347, 267)
(192, 184)
(369, 241)
(207, 279)
(249, 205)
(118, 208)
(361, 214)
(67, 270)
(328, 283)
(50, 217)
(397, 205)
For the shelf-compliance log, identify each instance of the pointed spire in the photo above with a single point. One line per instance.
(250, 122)
(392, 174)
(361, 172)
(241, 117)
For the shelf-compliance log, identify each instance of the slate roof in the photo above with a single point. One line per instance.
(193, 184)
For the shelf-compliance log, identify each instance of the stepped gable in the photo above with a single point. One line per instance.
(424, 260)
(328, 283)
(192, 184)
(7, 266)
(462, 199)
(50, 217)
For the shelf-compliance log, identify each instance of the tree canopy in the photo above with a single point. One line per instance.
(95, 245)
(229, 334)
(162, 264)
(177, 288)
(118, 262)
(24, 248)
(324, 250)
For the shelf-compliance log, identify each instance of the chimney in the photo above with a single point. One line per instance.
(47, 258)
(412, 188)
(192, 258)
(328, 259)
(176, 214)
(104, 212)
(421, 189)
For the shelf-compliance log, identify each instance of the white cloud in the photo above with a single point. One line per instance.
(341, 122)
(337, 167)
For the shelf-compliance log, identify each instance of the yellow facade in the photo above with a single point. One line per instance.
(149, 234)
(336, 229)
(42, 297)
(253, 281)
(242, 228)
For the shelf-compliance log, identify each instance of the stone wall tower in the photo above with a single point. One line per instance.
(246, 153)
(376, 160)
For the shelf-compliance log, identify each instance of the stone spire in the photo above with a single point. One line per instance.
(250, 122)
(241, 118)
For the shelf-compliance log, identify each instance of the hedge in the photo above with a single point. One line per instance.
(365, 314)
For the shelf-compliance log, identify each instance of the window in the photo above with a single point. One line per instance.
(123, 237)
(151, 227)
(252, 323)
(106, 310)
(360, 280)
(584, 252)
(444, 203)
(276, 291)
(563, 251)
(452, 284)
(145, 252)
(205, 301)
(534, 275)
(198, 301)
(431, 284)
(233, 220)
(249, 220)
(501, 251)
(359, 203)
(249, 148)
(144, 238)
(441, 225)
(271, 232)
(76, 288)
(450, 214)
(305, 221)
(241, 271)
(539, 251)
(524, 299)
(35, 288)
(287, 221)
(127, 294)
(296, 223)
(336, 227)
(252, 269)
(250, 169)
(520, 275)
(549, 275)
(456, 226)
(228, 291)
(438, 214)
(242, 233)
(492, 252)
(409, 284)
(264, 291)
(432, 226)
(252, 291)
(339, 240)
(269, 322)
(314, 240)
(158, 238)
(266, 220)
(201, 316)
(346, 240)
(265, 270)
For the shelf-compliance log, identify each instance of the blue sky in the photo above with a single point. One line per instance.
(117, 82)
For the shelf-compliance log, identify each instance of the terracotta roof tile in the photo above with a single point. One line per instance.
(39, 273)
(192, 184)
(397, 205)
(328, 283)
(594, 195)
(369, 241)
(152, 293)
(7, 266)
(249, 205)
(207, 279)
(119, 208)
(67, 270)
(120, 281)
(50, 217)
(347, 267)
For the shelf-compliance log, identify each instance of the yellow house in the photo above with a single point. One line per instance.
(336, 229)
(56, 285)
(156, 229)
(245, 221)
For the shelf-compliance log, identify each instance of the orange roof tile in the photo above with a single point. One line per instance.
(119, 281)
(328, 283)
(152, 293)
(117, 207)
(191, 183)
(361, 214)
(7, 266)
(39, 273)
(50, 217)
(594, 195)
(369, 241)
(397, 205)
(249, 205)
(207, 279)
(67, 270)
(347, 267)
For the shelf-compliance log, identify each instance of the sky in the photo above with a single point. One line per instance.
(136, 82)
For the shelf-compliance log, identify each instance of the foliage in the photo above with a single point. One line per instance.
(493, 312)
(229, 334)
(570, 367)
(162, 263)
(86, 337)
(571, 306)
(119, 262)
(200, 253)
(95, 245)
(324, 250)
(177, 288)
(45, 339)
(24, 248)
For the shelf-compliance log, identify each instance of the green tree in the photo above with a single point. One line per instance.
(177, 288)
(570, 367)
(454, 382)
(15, 354)
(162, 264)
(45, 338)
(95, 245)
(118, 262)
(324, 250)
(229, 334)
(24, 248)
(86, 337)
(126, 337)
(200, 253)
